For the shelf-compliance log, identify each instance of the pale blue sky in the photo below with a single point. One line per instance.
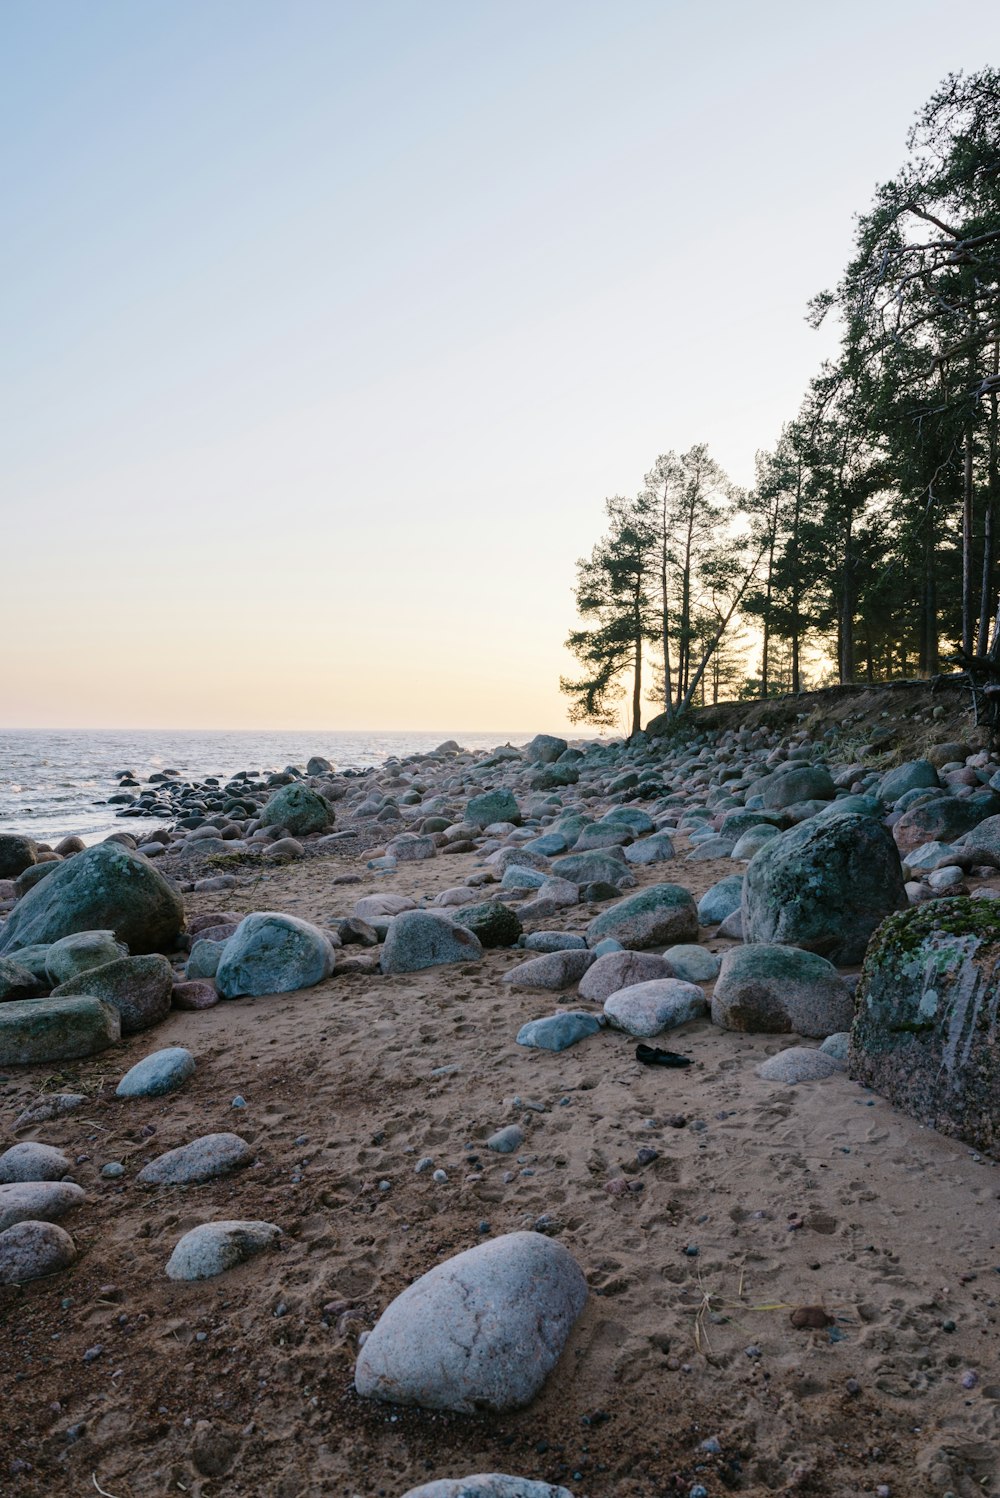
(325, 329)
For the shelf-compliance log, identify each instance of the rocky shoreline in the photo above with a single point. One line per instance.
(714, 892)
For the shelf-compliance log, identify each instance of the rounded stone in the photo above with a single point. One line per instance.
(202, 1160)
(488, 1485)
(29, 1250)
(214, 1247)
(80, 951)
(646, 1009)
(36, 1030)
(774, 989)
(481, 1331)
(270, 952)
(693, 963)
(797, 1064)
(653, 916)
(154, 1076)
(37, 1201)
(621, 969)
(418, 939)
(32, 1161)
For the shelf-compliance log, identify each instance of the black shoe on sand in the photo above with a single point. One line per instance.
(651, 1055)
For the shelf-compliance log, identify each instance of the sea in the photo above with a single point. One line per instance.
(54, 783)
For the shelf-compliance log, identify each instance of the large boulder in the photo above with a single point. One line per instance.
(106, 888)
(16, 854)
(79, 952)
(646, 1009)
(138, 987)
(615, 970)
(916, 774)
(925, 1034)
(942, 819)
(494, 924)
(805, 783)
(493, 806)
(422, 938)
(270, 952)
(544, 749)
(603, 866)
(480, 1331)
(299, 809)
(35, 1030)
(823, 886)
(652, 917)
(773, 989)
(554, 971)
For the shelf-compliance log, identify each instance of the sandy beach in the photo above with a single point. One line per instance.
(762, 1199)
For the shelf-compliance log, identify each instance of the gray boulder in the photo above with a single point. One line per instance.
(30, 1250)
(601, 867)
(32, 1161)
(17, 982)
(943, 819)
(615, 970)
(773, 989)
(557, 1032)
(213, 1247)
(925, 1031)
(37, 1201)
(808, 783)
(36, 1030)
(653, 916)
(493, 806)
(646, 1009)
(553, 971)
(693, 963)
(154, 1076)
(917, 774)
(205, 957)
(270, 952)
(417, 939)
(138, 987)
(79, 952)
(720, 900)
(487, 1485)
(298, 809)
(544, 749)
(481, 1331)
(106, 888)
(798, 1064)
(202, 1160)
(658, 848)
(824, 886)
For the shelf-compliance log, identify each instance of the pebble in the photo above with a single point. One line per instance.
(440, 1176)
(506, 1141)
(112, 1170)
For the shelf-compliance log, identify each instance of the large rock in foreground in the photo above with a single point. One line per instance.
(106, 888)
(36, 1030)
(270, 952)
(482, 1331)
(824, 886)
(653, 917)
(926, 1032)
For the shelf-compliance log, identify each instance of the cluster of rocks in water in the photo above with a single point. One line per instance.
(834, 865)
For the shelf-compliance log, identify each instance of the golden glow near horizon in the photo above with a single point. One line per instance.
(329, 328)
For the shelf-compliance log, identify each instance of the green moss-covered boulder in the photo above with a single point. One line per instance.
(652, 917)
(299, 809)
(823, 886)
(495, 924)
(926, 1033)
(138, 987)
(107, 888)
(38, 1030)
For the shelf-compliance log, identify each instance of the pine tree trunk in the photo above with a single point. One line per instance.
(967, 498)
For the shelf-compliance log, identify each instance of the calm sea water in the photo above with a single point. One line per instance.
(54, 783)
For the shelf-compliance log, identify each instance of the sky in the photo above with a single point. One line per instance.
(327, 328)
